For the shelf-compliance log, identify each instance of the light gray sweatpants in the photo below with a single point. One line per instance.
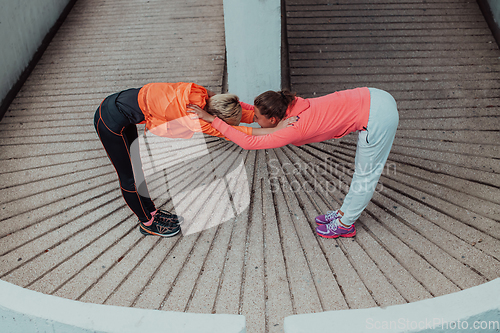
(373, 148)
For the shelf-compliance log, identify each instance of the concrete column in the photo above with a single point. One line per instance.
(253, 44)
(495, 9)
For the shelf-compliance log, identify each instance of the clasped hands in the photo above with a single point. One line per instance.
(199, 113)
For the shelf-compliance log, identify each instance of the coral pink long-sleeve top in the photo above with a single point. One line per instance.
(322, 118)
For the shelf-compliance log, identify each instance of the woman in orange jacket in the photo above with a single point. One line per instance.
(163, 108)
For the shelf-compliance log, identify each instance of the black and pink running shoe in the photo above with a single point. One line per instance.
(159, 227)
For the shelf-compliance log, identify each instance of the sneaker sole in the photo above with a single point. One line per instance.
(150, 233)
(352, 234)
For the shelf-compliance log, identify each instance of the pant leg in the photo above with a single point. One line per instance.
(373, 148)
(110, 125)
(132, 139)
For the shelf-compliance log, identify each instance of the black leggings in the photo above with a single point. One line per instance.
(117, 133)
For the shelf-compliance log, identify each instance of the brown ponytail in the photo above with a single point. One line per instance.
(274, 103)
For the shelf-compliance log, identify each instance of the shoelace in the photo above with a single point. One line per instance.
(331, 215)
(168, 217)
(332, 226)
(164, 222)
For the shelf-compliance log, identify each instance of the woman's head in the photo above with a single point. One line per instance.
(271, 107)
(225, 106)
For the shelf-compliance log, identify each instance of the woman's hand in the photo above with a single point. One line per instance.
(284, 123)
(199, 113)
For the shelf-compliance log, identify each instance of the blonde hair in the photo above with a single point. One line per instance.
(225, 106)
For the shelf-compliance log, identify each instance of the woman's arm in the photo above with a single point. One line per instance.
(247, 113)
(284, 123)
(202, 114)
(199, 113)
(279, 138)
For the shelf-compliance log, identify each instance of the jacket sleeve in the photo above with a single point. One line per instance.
(247, 113)
(207, 128)
(277, 139)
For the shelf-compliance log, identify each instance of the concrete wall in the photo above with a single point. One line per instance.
(495, 10)
(253, 44)
(476, 309)
(23, 26)
(491, 12)
(23, 310)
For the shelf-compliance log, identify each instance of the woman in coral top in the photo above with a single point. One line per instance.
(370, 111)
(162, 107)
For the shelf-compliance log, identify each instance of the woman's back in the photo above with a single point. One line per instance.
(334, 115)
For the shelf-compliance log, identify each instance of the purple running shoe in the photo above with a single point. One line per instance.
(334, 229)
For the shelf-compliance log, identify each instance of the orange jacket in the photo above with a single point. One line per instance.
(164, 106)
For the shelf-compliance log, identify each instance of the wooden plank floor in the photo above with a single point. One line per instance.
(248, 245)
